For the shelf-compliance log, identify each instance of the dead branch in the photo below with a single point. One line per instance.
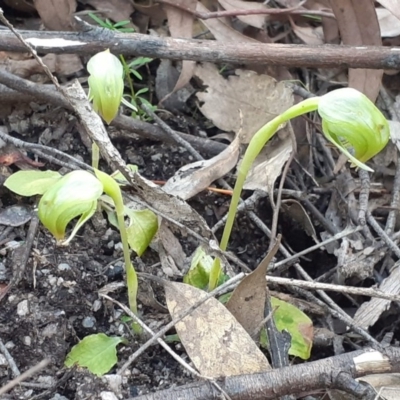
(94, 39)
(19, 89)
(329, 373)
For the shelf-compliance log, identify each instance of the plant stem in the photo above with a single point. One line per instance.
(255, 146)
(112, 188)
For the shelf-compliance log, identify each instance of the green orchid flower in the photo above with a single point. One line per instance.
(74, 195)
(353, 124)
(106, 84)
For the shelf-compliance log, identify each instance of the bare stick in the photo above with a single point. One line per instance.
(9, 359)
(23, 376)
(363, 196)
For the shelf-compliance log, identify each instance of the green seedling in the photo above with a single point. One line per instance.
(350, 121)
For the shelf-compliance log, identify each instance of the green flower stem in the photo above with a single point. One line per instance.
(253, 150)
(112, 188)
(95, 156)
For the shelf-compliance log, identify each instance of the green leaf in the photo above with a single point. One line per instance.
(98, 353)
(199, 271)
(298, 324)
(142, 227)
(31, 183)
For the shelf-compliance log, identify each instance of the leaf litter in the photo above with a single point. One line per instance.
(258, 98)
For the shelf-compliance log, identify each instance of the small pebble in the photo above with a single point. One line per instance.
(27, 340)
(108, 396)
(88, 322)
(23, 308)
(63, 267)
(3, 361)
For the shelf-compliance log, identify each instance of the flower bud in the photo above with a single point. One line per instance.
(353, 124)
(106, 84)
(75, 194)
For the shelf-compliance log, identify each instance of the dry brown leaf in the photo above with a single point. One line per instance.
(194, 178)
(247, 302)
(358, 25)
(56, 15)
(370, 311)
(268, 165)
(60, 64)
(297, 212)
(388, 22)
(392, 6)
(259, 98)
(258, 21)
(216, 343)
(116, 10)
(181, 26)
(171, 254)
(222, 31)
(312, 36)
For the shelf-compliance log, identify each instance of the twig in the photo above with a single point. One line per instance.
(234, 13)
(10, 360)
(375, 293)
(277, 205)
(42, 151)
(167, 327)
(363, 196)
(23, 376)
(94, 39)
(180, 141)
(377, 228)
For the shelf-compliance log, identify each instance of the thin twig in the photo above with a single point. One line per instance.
(23, 376)
(377, 228)
(9, 359)
(277, 205)
(363, 196)
(234, 13)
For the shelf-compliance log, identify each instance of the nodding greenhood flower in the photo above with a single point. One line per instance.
(353, 124)
(75, 194)
(106, 84)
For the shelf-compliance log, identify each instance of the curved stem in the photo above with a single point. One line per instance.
(255, 146)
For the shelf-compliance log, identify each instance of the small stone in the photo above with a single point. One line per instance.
(110, 244)
(23, 308)
(108, 396)
(97, 305)
(3, 361)
(27, 340)
(119, 247)
(88, 322)
(63, 267)
(58, 397)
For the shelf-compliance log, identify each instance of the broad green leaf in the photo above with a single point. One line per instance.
(31, 183)
(142, 227)
(298, 324)
(98, 353)
(75, 194)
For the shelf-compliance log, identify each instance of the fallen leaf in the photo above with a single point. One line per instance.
(268, 165)
(260, 98)
(247, 302)
(181, 26)
(258, 21)
(56, 15)
(116, 10)
(370, 311)
(194, 178)
(310, 35)
(388, 23)
(392, 6)
(215, 341)
(221, 31)
(15, 216)
(358, 25)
